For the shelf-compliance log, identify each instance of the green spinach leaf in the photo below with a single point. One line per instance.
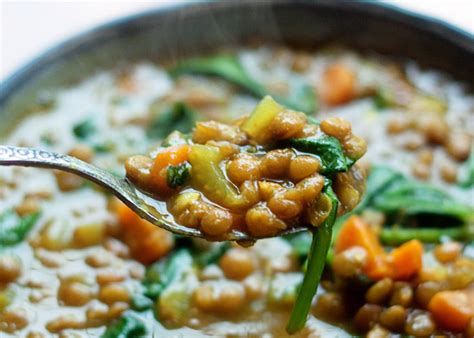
(178, 117)
(162, 273)
(212, 255)
(127, 326)
(316, 262)
(13, 228)
(327, 148)
(301, 96)
(468, 181)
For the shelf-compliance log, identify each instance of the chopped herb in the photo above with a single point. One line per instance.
(13, 228)
(177, 175)
(84, 129)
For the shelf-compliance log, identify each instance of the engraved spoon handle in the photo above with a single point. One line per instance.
(31, 157)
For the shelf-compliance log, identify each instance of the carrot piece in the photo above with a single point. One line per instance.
(338, 84)
(453, 310)
(146, 241)
(356, 232)
(406, 260)
(170, 156)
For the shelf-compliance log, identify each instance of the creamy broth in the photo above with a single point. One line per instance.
(121, 105)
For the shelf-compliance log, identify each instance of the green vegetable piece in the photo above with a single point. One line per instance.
(177, 176)
(209, 178)
(178, 117)
(13, 228)
(256, 126)
(301, 243)
(212, 255)
(127, 326)
(468, 181)
(316, 261)
(410, 198)
(162, 273)
(301, 96)
(85, 129)
(397, 236)
(328, 149)
(141, 302)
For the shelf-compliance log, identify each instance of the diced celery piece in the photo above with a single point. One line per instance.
(256, 126)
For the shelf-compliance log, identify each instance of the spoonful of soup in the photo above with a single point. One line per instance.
(269, 174)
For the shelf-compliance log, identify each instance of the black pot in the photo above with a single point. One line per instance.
(172, 32)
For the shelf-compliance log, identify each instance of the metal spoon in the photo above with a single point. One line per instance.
(120, 187)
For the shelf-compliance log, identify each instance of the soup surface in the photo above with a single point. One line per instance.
(76, 262)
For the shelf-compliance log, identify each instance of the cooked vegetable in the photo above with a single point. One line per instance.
(85, 129)
(178, 117)
(172, 156)
(127, 326)
(301, 96)
(316, 261)
(398, 235)
(259, 121)
(162, 274)
(146, 241)
(453, 309)
(209, 178)
(13, 228)
(177, 175)
(401, 263)
(329, 151)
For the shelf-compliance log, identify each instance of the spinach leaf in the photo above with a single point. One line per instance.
(161, 274)
(212, 255)
(178, 117)
(397, 235)
(327, 148)
(177, 175)
(85, 129)
(13, 228)
(409, 197)
(141, 302)
(468, 182)
(316, 262)
(301, 96)
(127, 326)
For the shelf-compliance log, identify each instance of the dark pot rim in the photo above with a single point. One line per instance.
(80, 41)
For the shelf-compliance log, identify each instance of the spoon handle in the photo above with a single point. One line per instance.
(31, 157)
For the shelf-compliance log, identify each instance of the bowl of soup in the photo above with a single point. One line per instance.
(383, 83)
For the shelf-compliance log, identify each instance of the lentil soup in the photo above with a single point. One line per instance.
(76, 262)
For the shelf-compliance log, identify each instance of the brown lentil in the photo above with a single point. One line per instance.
(82, 152)
(287, 124)
(302, 167)
(393, 318)
(402, 294)
(262, 222)
(458, 145)
(216, 222)
(337, 127)
(419, 323)
(237, 264)
(243, 167)
(29, 206)
(276, 163)
(367, 316)
(138, 169)
(380, 291)
(73, 293)
(113, 293)
(350, 262)
(447, 252)
(10, 268)
(421, 171)
(67, 181)
(330, 306)
(64, 322)
(426, 290)
(12, 320)
(448, 172)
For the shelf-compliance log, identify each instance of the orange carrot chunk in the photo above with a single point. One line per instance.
(403, 262)
(146, 241)
(453, 310)
(168, 157)
(338, 84)
(406, 260)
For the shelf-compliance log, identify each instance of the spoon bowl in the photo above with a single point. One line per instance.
(122, 188)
